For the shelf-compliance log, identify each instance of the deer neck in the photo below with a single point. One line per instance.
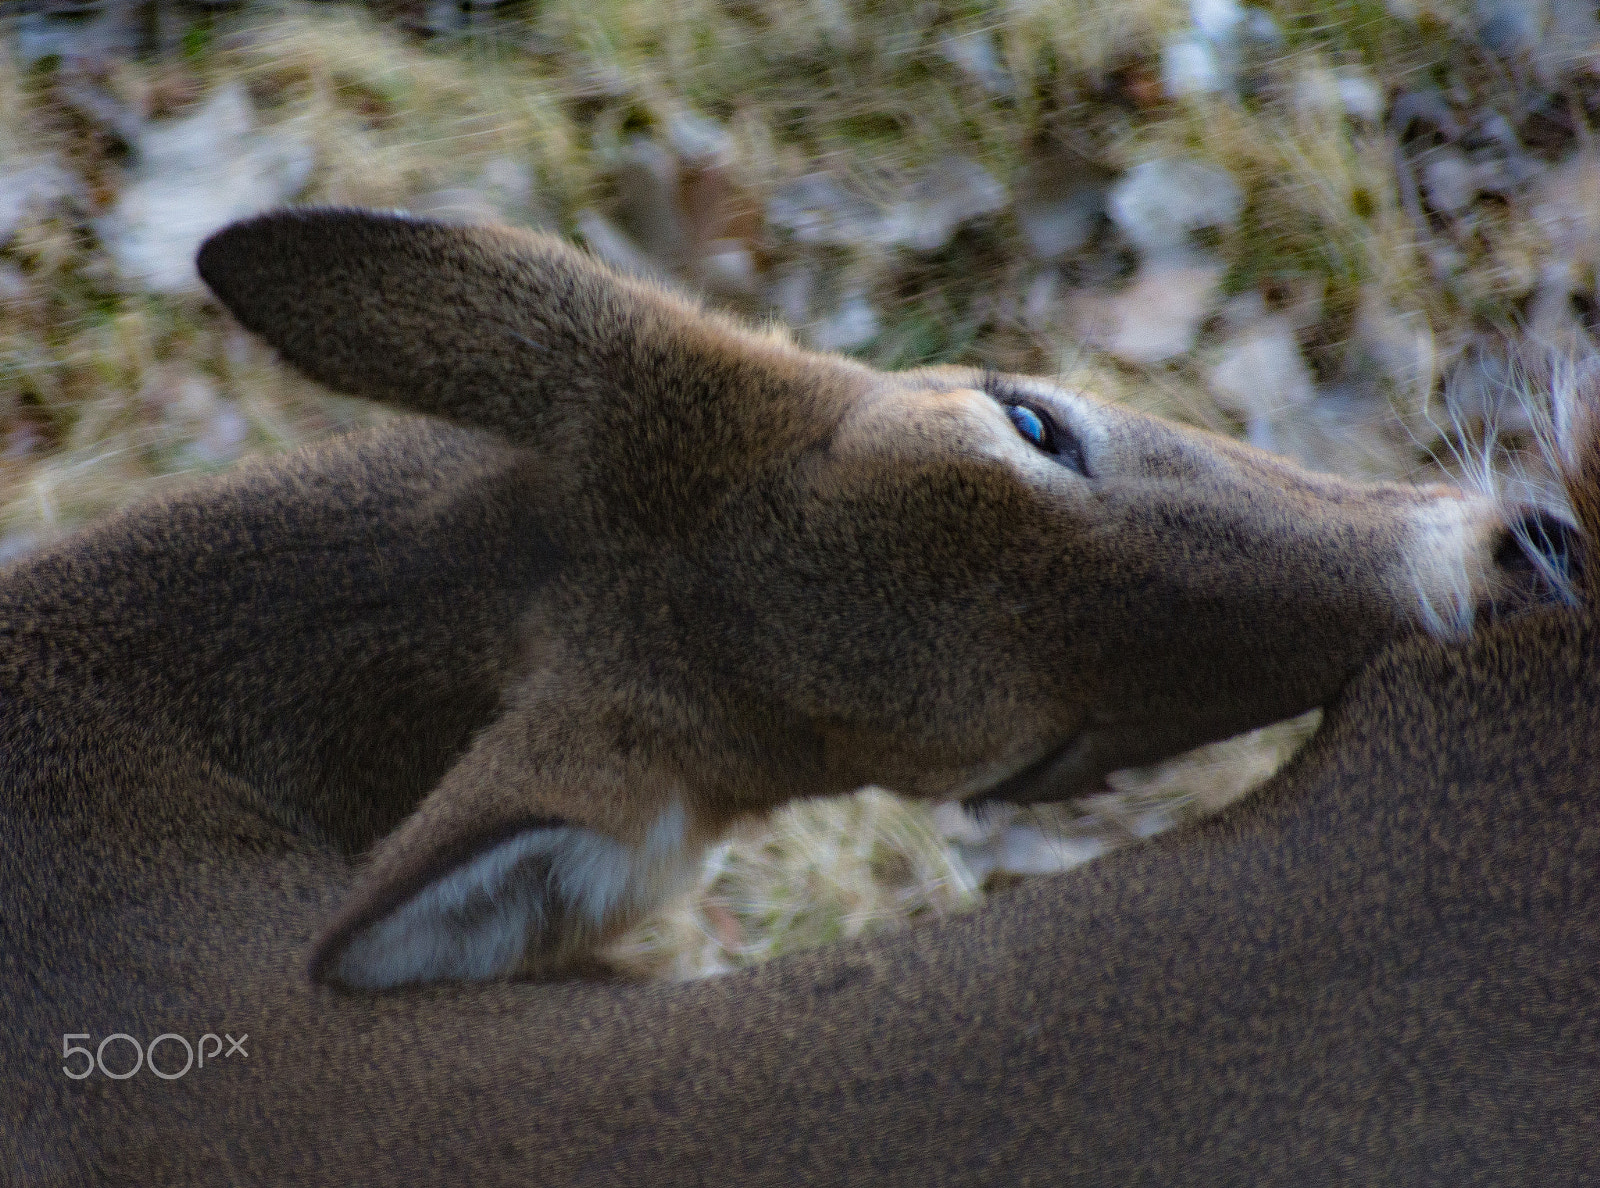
(331, 628)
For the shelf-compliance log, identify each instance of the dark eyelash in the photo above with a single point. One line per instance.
(996, 385)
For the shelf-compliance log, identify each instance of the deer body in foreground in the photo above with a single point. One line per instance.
(1384, 967)
(668, 573)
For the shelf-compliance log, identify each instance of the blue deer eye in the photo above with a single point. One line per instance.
(1031, 425)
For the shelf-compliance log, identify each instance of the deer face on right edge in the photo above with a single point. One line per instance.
(784, 574)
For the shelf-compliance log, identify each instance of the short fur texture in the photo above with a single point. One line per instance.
(666, 566)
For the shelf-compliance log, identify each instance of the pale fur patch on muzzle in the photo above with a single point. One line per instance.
(1446, 566)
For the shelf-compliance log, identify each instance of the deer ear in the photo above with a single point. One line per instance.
(470, 920)
(503, 329)
(522, 860)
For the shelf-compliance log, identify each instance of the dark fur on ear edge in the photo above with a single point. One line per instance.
(439, 318)
(509, 330)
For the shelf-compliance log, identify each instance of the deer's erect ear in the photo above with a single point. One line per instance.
(522, 860)
(504, 329)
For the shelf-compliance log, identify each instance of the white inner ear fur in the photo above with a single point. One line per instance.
(478, 921)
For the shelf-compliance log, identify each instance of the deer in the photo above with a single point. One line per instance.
(356, 757)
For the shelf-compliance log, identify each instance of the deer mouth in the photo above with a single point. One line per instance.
(1539, 560)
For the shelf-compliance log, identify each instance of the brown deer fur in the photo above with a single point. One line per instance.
(669, 572)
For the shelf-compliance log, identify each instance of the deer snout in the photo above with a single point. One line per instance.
(1538, 558)
(1473, 560)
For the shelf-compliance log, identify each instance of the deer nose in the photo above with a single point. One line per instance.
(1542, 555)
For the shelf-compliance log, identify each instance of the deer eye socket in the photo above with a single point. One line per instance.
(1038, 431)
(1038, 427)
(1045, 434)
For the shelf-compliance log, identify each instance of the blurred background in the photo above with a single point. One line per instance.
(1352, 231)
